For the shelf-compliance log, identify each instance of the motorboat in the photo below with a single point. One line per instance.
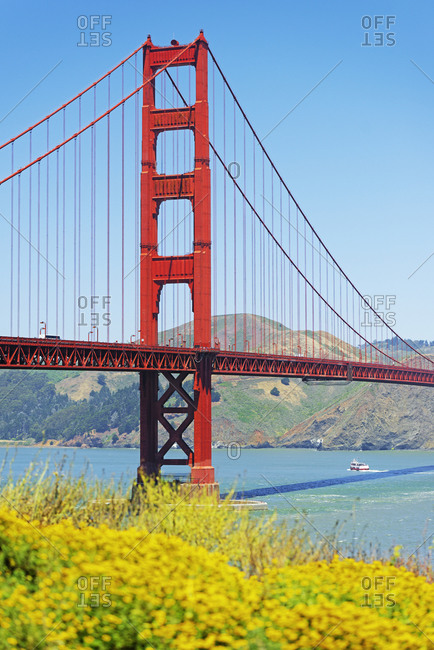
(356, 465)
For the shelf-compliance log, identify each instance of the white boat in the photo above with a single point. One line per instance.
(358, 466)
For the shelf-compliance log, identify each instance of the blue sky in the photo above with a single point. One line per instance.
(357, 152)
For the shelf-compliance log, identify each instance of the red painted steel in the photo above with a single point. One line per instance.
(194, 269)
(129, 357)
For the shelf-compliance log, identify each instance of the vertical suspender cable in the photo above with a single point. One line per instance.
(235, 235)
(12, 240)
(254, 266)
(263, 264)
(333, 315)
(244, 243)
(271, 274)
(298, 289)
(123, 216)
(347, 319)
(18, 255)
(94, 237)
(75, 241)
(282, 276)
(63, 226)
(326, 314)
(224, 224)
(92, 211)
(108, 213)
(38, 288)
(291, 291)
(319, 303)
(313, 295)
(30, 237)
(305, 293)
(47, 228)
(57, 242)
(79, 213)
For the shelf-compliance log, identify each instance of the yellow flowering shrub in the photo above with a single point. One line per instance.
(65, 587)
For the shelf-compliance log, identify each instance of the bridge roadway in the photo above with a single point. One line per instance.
(39, 353)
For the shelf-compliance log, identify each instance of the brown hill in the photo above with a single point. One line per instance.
(378, 416)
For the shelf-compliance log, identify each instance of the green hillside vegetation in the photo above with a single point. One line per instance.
(27, 400)
(32, 407)
(251, 405)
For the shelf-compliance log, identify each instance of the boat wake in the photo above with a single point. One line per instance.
(378, 470)
(369, 471)
(359, 476)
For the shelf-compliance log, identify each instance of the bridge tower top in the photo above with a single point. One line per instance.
(195, 185)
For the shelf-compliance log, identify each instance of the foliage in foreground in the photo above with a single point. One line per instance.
(83, 566)
(69, 587)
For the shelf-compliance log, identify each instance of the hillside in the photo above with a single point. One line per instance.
(377, 417)
(232, 330)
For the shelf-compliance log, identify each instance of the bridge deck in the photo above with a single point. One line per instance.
(34, 353)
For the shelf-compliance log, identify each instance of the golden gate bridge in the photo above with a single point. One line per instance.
(146, 211)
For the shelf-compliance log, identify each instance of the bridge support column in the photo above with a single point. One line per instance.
(148, 423)
(202, 471)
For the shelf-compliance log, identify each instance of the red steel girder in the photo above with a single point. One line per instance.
(228, 363)
(172, 268)
(86, 355)
(161, 56)
(173, 186)
(171, 119)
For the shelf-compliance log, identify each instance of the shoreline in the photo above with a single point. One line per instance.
(7, 444)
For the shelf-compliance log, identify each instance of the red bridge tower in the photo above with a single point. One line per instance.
(193, 269)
